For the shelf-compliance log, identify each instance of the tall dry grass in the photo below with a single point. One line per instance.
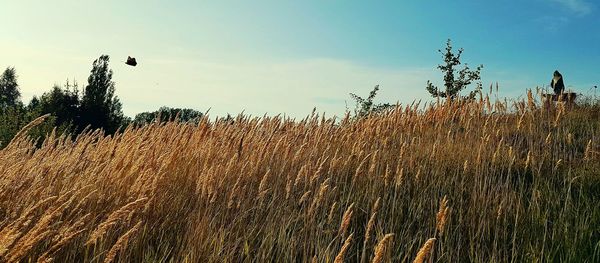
(489, 182)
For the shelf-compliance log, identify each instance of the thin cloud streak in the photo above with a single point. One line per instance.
(578, 7)
(552, 24)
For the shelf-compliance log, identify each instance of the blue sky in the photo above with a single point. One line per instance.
(288, 57)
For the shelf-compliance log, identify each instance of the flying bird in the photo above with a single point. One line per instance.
(131, 61)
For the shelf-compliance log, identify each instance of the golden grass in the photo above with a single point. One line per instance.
(340, 256)
(425, 250)
(442, 215)
(380, 250)
(519, 185)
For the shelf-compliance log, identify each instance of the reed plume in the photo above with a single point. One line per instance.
(425, 251)
(382, 247)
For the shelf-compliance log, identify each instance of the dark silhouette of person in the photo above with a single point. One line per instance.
(557, 83)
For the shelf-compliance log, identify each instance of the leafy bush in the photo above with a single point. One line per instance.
(455, 84)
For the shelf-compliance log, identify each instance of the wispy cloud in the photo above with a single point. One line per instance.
(578, 7)
(552, 24)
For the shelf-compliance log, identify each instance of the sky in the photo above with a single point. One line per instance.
(288, 57)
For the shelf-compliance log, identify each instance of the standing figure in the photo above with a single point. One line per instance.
(557, 83)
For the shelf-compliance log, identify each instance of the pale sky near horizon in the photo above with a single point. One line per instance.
(289, 57)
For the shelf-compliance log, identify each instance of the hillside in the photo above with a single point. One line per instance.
(482, 181)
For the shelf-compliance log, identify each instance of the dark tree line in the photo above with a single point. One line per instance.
(72, 111)
(166, 114)
(97, 106)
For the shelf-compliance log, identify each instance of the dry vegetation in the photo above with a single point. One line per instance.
(444, 183)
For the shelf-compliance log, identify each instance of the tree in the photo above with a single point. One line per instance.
(62, 103)
(100, 108)
(9, 89)
(453, 85)
(364, 107)
(12, 120)
(165, 114)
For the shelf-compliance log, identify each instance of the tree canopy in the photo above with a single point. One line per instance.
(164, 114)
(61, 102)
(100, 107)
(455, 84)
(10, 95)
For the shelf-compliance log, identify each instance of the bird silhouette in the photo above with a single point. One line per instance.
(131, 61)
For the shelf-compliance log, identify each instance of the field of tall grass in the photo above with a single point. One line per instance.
(460, 182)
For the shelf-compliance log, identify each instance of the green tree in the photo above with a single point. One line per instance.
(12, 120)
(100, 108)
(62, 103)
(364, 107)
(455, 84)
(10, 95)
(13, 114)
(165, 114)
